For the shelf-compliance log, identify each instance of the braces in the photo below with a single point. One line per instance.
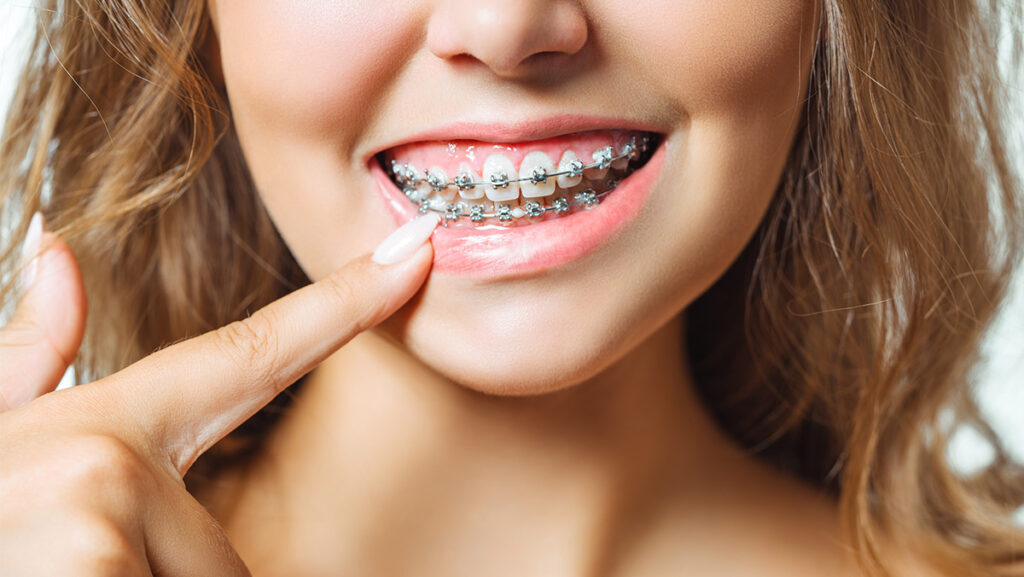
(506, 214)
(405, 174)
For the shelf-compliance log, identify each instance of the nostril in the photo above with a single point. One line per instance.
(520, 32)
(463, 61)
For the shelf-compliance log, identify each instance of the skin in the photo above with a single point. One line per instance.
(460, 436)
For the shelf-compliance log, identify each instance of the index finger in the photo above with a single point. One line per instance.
(185, 398)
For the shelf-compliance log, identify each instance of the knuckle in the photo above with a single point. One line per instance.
(97, 546)
(252, 344)
(102, 462)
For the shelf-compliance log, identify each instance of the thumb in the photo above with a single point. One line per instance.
(46, 330)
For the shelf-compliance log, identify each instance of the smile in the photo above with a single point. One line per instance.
(514, 208)
(521, 184)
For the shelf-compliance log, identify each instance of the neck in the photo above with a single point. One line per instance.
(380, 454)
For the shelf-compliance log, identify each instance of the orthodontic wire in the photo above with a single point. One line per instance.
(588, 197)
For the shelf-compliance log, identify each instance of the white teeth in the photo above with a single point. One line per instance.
(502, 183)
(473, 192)
(498, 170)
(535, 168)
(569, 160)
(601, 156)
(438, 181)
(413, 174)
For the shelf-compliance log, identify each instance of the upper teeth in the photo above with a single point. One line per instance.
(468, 181)
(535, 170)
(570, 170)
(498, 171)
(603, 156)
(533, 175)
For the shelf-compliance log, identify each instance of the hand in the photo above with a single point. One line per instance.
(91, 476)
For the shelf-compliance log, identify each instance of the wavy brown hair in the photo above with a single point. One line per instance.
(840, 344)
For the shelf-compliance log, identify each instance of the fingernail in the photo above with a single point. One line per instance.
(400, 244)
(29, 250)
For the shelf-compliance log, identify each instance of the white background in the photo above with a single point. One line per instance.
(1001, 386)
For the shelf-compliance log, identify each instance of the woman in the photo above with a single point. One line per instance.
(708, 277)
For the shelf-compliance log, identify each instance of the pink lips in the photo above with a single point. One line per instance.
(494, 251)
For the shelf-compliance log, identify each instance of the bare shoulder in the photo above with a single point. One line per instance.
(811, 542)
(763, 523)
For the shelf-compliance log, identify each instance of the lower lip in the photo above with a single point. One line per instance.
(495, 251)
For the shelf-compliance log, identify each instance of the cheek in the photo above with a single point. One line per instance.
(301, 76)
(725, 55)
(309, 66)
(736, 72)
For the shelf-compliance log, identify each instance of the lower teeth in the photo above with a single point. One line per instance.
(585, 199)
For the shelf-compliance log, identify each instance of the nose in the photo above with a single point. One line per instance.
(510, 37)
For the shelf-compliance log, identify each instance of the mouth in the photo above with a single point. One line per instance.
(474, 183)
(520, 208)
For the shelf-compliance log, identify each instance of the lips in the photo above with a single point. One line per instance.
(528, 244)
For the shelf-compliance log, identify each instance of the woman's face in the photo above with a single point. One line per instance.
(324, 93)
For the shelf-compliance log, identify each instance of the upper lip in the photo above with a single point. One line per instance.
(523, 130)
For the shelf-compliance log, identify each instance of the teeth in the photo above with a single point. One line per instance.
(534, 209)
(438, 182)
(504, 213)
(398, 170)
(536, 178)
(452, 211)
(414, 194)
(476, 212)
(498, 170)
(595, 173)
(588, 198)
(467, 174)
(535, 167)
(437, 203)
(412, 173)
(570, 162)
(623, 163)
(414, 179)
(603, 157)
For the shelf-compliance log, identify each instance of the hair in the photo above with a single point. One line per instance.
(840, 344)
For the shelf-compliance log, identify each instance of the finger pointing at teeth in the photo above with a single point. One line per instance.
(199, 390)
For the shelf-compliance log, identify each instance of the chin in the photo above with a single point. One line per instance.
(499, 350)
(514, 371)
